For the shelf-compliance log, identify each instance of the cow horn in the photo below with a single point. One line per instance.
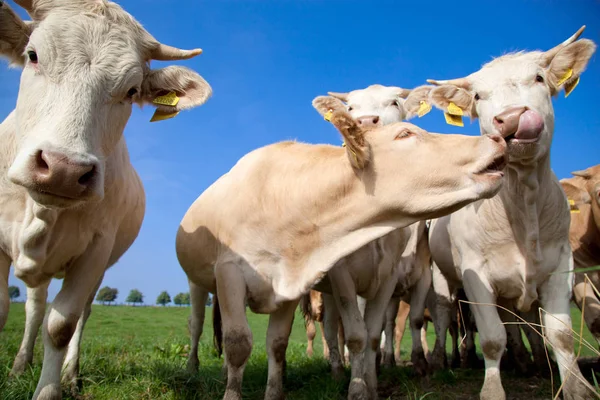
(340, 96)
(549, 55)
(165, 52)
(460, 82)
(583, 174)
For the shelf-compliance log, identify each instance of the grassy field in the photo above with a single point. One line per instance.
(136, 353)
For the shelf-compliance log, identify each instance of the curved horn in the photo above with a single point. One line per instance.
(340, 96)
(460, 82)
(549, 55)
(583, 174)
(165, 52)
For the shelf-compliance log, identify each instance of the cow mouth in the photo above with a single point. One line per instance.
(48, 199)
(495, 167)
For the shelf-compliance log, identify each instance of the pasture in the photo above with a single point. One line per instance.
(140, 353)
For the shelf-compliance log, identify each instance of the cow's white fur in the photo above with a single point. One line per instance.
(75, 99)
(514, 246)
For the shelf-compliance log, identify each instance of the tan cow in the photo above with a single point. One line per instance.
(513, 249)
(276, 223)
(584, 235)
(71, 203)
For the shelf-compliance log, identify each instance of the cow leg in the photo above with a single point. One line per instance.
(492, 335)
(71, 364)
(311, 333)
(555, 296)
(424, 343)
(417, 311)
(453, 330)
(35, 308)
(517, 352)
(198, 297)
(443, 294)
(331, 322)
(278, 334)
(66, 309)
(355, 331)
(390, 316)
(237, 336)
(401, 317)
(325, 347)
(469, 358)
(4, 296)
(583, 290)
(374, 314)
(536, 342)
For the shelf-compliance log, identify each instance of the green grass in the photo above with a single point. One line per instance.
(138, 353)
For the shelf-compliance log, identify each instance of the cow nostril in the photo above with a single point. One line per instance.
(86, 178)
(375, 119)
(40, 163)
(498, 120)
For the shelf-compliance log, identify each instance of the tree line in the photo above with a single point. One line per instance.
(108, 295)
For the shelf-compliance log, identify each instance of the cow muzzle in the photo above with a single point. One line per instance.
(58, 177)
(519, 125)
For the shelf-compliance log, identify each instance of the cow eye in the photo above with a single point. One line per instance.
(403, 134)
(350, 108)
(32, 56)
(131, 92)
(477, 96)
(539, 78)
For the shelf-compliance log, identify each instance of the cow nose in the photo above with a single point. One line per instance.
(507, 122)
(58, 174)
(368, 120)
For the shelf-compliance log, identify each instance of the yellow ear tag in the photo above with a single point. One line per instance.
(328, 115)
(570, 86)
(453, 109)
(455, 120)
(169, 99)
(574, 209)
(566, 76)
(424, 108)
(162, 115)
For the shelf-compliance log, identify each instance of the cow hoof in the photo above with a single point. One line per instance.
(438, 360)
(337, 373)
(388, 360)
(419, 363)
(492, 390)
(232, 395)
(455, 363)
(574, 390)
(19, 367)
(358, 390)
(49, 392)
(193, 366)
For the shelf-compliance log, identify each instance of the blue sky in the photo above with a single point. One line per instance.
(267, 59)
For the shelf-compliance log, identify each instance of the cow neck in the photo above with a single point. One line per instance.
(522, 196)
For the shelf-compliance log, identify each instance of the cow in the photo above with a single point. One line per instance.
(583, 191)
(273, 255)
(513, 249)
(71, 202)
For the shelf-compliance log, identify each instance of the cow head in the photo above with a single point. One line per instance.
(370, 105)
(511, 95)
(590, 180)
(85, 63)
(389, 161)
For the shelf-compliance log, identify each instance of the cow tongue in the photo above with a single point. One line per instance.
(531, 125)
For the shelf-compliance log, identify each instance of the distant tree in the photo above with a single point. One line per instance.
(13, 292)
(135, 296)
(178, 299)
(209, 302)
(107, 295)
(163, 298)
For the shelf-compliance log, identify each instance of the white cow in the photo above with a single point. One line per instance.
(513, 249)
(276, 223)
(71, 203)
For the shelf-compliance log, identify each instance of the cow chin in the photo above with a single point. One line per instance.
(49, 200)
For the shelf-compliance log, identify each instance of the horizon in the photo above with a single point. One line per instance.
(266, 60)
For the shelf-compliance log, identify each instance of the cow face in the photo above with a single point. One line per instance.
(85, 63)
(511, 95)
(389, 161)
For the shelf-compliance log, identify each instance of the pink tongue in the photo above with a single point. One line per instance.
(531, 125)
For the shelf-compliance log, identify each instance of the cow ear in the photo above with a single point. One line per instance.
(326, 105)
(442, 96)
(417, 103)
(175, 88)
(354, 139)
(14, 35)
(568, 64)
(575, 193)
